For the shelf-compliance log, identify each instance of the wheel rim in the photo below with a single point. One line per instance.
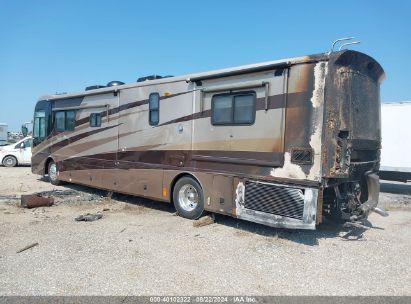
(9, 161)
(53, 171)
(188, 197)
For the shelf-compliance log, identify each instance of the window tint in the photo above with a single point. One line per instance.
(27, 143)
(60, 121)
(222, 109)
(233, 109)
(39, 129)
(65, 120)
(95, 120)
(70, 120)
(244, 108)
(154, 109)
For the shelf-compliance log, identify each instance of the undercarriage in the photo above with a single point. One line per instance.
(352, 201)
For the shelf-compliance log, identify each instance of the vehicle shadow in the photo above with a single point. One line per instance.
(328, 229)
(130, 199)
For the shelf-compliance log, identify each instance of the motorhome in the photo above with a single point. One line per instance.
(281, 143)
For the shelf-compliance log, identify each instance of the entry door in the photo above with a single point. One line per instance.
(154, 133)
(138, 159)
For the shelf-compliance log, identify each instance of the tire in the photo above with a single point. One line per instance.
(9, 161)
(188, 198)
(53, 173)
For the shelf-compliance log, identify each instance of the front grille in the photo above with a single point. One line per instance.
(274, 199)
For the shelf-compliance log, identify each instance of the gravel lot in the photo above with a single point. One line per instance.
(140, 247)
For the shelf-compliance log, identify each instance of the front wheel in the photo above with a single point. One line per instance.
(188, 198)
(9, 161)
(53, 174)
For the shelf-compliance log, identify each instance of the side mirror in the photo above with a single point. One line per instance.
(24, 130)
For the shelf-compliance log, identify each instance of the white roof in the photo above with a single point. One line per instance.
(293, 60)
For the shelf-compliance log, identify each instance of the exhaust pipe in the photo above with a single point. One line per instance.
(380, 211)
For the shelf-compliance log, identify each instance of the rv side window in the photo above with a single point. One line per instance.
(222, 109)
(244, 109)
(59, 118)
(233, 109)
(154, 109)
(95, 120)
(70, 120)
(65, 120)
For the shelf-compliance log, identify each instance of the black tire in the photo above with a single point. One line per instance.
(53, 177)
(9, 161)
(188, 190)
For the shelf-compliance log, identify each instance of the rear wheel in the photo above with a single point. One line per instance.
(188, 198)
(10, 161)
(53, 174)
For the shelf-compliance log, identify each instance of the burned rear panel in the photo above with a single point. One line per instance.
(352, 140)
(352, 132)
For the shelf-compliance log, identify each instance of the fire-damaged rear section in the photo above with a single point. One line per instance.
(351, 136)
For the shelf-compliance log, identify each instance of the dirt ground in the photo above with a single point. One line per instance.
(141, 247)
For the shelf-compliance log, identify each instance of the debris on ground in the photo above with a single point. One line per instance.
(356, 225)
(89, 217)
(204, 221)
(122, 230)
(59, 193)
(36, 200)
(27, 247)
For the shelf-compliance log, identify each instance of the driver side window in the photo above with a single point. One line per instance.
(27, 143)
(23, 144)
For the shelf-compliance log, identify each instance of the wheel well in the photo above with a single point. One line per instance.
(46, 168)
(17, 161)
(177, 178)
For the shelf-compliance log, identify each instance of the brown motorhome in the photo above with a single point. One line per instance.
(280, 143)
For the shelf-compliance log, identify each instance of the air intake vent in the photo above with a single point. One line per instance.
(114, 83)
(95, 87)
(152, 77)
(302, 156)
(274, 199)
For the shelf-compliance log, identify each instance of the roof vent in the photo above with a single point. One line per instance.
(95, 87)
(114, 83)
(150, 77)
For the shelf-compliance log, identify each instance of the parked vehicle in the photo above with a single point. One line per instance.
(16, 154)
(279, 143)
(395, 161)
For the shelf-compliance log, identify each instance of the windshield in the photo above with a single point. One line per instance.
(41, 121)
(39, 128)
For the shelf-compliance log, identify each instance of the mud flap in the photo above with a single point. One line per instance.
(373, 185)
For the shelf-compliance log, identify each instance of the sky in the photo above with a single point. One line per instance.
(65, 45)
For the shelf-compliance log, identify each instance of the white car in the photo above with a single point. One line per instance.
(16, 154)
